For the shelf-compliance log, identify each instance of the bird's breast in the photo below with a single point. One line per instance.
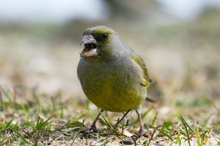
(111, 86)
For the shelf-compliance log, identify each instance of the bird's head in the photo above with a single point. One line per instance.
(99, 41)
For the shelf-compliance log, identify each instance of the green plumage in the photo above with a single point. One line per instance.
(115, 79)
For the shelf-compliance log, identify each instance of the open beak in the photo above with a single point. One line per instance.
(90, 46)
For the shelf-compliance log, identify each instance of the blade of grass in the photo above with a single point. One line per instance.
(145, 113)
(106, 122)
(8, 124)
(6, 94)
(198, 137)
(151, 138)
(179, 138)
(119, 120)
(163, 132)
(154, 118)
(185, 124)
(41, 123)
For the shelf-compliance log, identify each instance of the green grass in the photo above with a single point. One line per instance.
(37, 121)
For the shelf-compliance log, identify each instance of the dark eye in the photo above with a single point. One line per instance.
(105, 35)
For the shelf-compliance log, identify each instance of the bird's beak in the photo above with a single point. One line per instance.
(87, 39)
(90, 46)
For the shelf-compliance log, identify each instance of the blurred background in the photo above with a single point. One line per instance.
(178, 40)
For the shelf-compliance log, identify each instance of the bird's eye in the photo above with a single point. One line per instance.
(105, 35)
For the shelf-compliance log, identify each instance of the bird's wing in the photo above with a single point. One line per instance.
(146, 81)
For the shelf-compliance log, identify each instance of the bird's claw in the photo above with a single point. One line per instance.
(89, 132)
(139, 134)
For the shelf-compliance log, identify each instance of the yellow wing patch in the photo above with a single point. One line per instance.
(145, 81)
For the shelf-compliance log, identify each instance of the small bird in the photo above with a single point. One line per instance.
(112, 75)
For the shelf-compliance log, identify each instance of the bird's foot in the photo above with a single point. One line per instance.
(89, 132)
(139, 134)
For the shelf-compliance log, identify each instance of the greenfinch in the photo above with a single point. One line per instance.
(112, 75)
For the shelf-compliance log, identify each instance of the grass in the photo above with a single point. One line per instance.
(40, 121)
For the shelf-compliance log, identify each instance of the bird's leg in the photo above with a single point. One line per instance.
(141, 131)
(92, 127)
(119, 121)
